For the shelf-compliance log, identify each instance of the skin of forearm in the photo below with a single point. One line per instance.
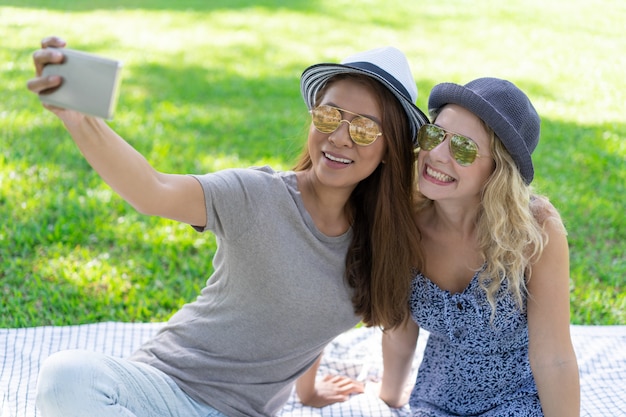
(124, 169)
(559, 388)
(394, 382)
(398, 352)
(305, 384)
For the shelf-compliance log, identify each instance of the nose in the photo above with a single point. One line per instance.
(341, 136)
(441, 152)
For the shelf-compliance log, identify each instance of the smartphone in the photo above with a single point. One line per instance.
(90, 83)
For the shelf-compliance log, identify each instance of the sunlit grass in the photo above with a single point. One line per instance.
(211, 85)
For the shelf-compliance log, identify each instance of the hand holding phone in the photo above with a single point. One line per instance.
(90, 83)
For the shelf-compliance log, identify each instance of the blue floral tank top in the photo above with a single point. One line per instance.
(473, 365)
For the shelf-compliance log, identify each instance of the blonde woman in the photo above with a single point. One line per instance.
(494, 290)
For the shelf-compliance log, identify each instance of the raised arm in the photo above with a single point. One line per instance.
(398, 352)
(551, 354)
(126, 171)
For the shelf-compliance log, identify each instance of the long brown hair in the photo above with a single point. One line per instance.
(384, 250)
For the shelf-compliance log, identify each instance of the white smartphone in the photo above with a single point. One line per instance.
(90, 83)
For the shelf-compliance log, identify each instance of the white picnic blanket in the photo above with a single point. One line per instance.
(601, 352)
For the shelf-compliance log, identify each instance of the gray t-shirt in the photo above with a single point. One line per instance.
(276, 298)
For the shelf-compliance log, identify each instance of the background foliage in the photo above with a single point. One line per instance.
(209, 85)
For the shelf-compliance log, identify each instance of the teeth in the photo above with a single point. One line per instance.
(333, 158)
(438, 175)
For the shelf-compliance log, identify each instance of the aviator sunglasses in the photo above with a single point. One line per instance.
(463, 149)
(363, 131)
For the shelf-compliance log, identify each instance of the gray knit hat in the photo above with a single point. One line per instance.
(504, 107)
(387, 65)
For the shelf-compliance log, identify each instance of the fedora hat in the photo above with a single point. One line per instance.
(504, 107)
(388, 65)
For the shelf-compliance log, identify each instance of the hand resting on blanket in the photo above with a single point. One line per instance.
(330, 389)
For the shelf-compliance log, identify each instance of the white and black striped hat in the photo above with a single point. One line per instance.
(387, 65)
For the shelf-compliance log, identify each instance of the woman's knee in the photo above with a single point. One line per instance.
(67, 377)
(70, 367)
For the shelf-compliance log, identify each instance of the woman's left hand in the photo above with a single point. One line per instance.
(332, 389)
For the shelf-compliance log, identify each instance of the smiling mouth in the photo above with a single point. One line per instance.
(336, 159)
(440, 176)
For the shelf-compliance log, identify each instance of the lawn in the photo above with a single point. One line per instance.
(209, 85)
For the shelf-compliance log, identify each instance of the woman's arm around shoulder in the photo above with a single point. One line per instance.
(551, 354)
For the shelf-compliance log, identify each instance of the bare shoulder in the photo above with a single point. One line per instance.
(546, 215)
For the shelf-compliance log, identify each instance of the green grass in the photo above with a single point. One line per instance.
(208, 85)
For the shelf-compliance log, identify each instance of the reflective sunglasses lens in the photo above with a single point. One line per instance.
(363, 131)
(429, 136)
(463, 149)
(326, 119)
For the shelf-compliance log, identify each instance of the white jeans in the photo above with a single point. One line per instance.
(77, 383)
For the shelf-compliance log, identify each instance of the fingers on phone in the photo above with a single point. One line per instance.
(47, 56)
(52, 41)
(51, 90)
(45, 85)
